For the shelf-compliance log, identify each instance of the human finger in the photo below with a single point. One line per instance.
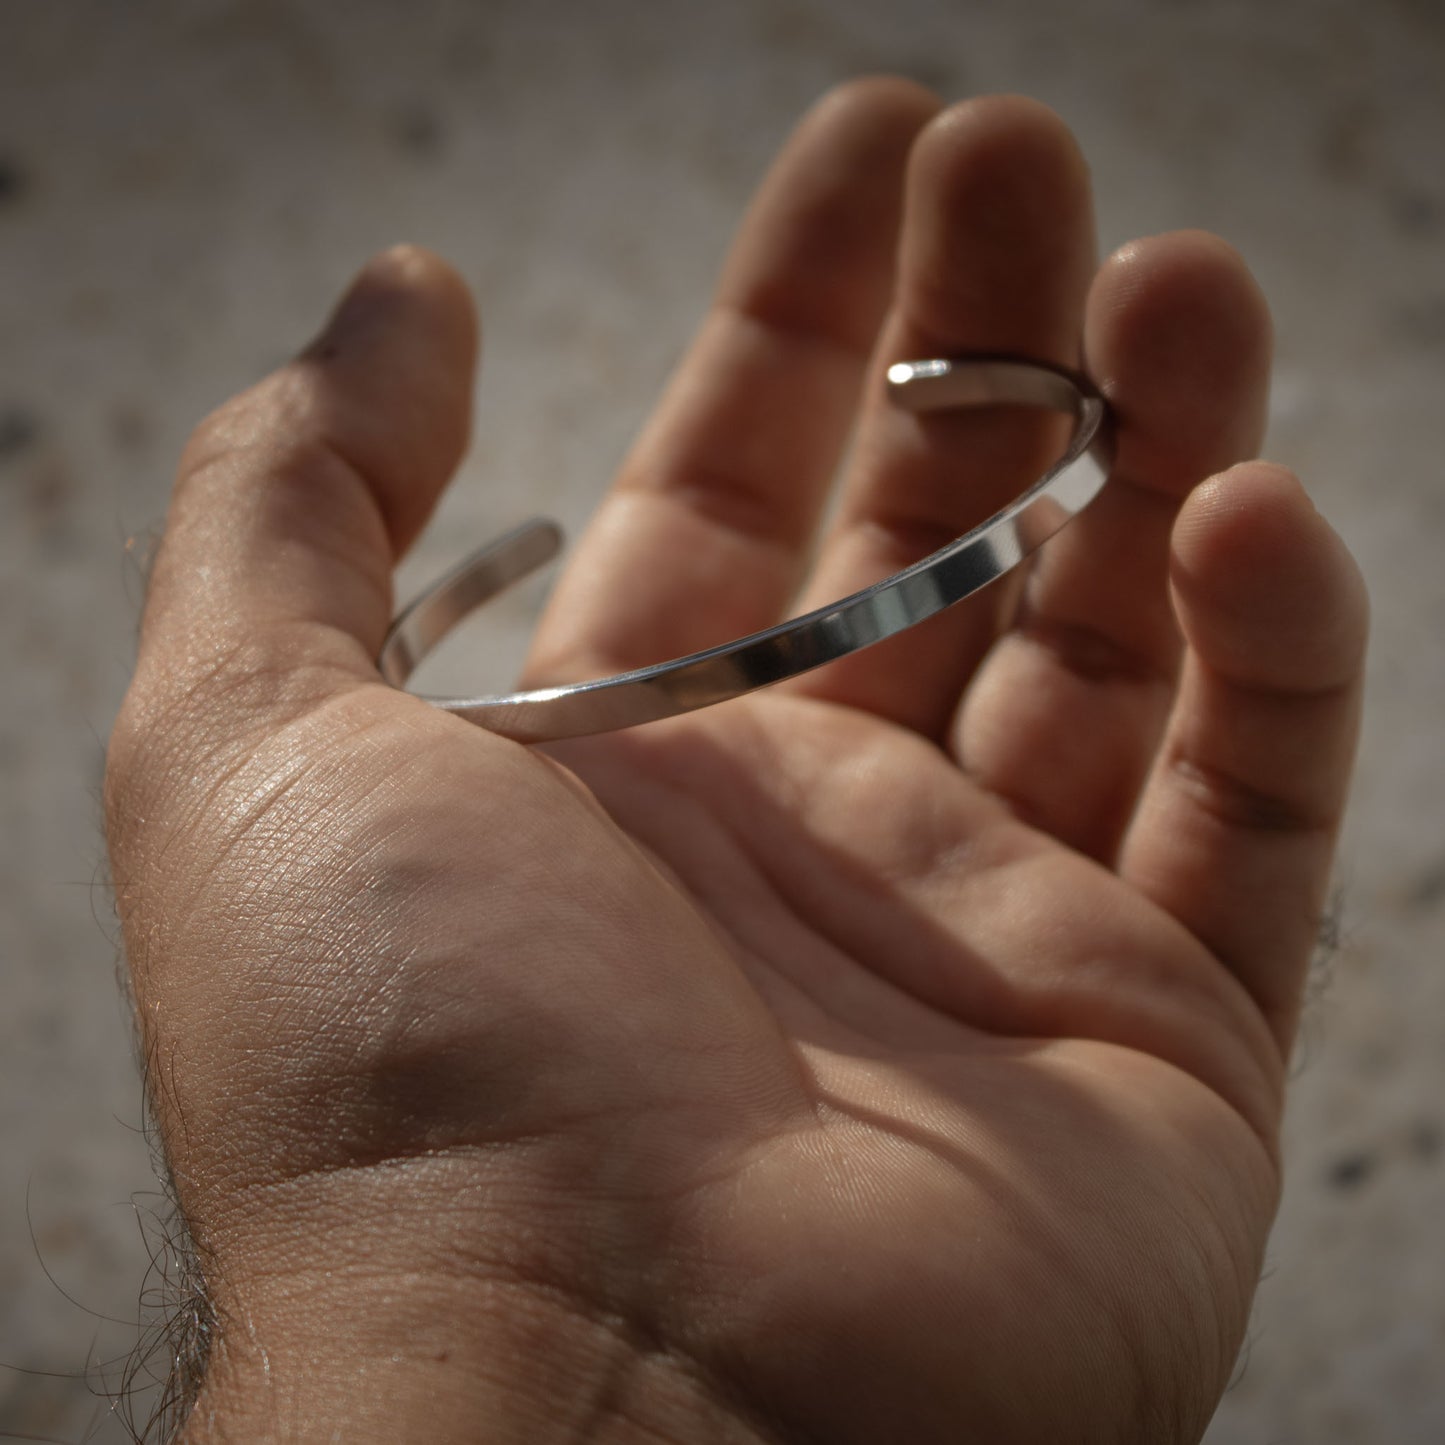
(1065, 714)
(996, 255)
(1235, 830)
(294, 500)
(703, 536)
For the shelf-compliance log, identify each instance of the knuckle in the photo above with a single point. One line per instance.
(249, 418)
(1239, 803)
(1093, 653)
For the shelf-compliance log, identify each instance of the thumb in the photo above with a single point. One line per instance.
(295, 499)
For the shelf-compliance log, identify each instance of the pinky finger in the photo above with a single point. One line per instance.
(1236, 828)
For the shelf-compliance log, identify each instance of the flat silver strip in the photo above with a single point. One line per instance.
(888, 607)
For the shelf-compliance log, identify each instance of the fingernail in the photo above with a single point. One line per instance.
(370, 295)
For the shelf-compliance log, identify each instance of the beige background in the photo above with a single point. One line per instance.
(184, 186)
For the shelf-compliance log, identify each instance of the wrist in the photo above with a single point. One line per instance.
(342, 1356)
(386, 1325)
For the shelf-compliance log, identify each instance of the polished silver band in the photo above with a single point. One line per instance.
(802, 643)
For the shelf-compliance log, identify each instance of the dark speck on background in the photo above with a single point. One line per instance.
(1346, 141)
(1349, 1172)
(1421, 323)
(1418, 213)
(418, 130)
(131, 426)
(1426, 1139)
(50, 502)
(18, 431)
(1426, 890)
(12, 181)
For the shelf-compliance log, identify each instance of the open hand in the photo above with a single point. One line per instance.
(895, 1055)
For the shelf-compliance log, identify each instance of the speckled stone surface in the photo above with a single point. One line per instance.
(183, 188)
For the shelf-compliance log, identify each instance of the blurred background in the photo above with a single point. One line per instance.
(184, 186)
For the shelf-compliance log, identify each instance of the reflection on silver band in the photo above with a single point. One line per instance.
(888, 607)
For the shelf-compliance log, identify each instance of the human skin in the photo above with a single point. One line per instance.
(893, 1055)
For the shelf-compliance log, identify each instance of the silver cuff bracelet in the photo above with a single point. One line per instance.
(802, 643)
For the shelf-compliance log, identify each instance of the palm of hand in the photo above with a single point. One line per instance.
(888, 1078)
(1006, 1065)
